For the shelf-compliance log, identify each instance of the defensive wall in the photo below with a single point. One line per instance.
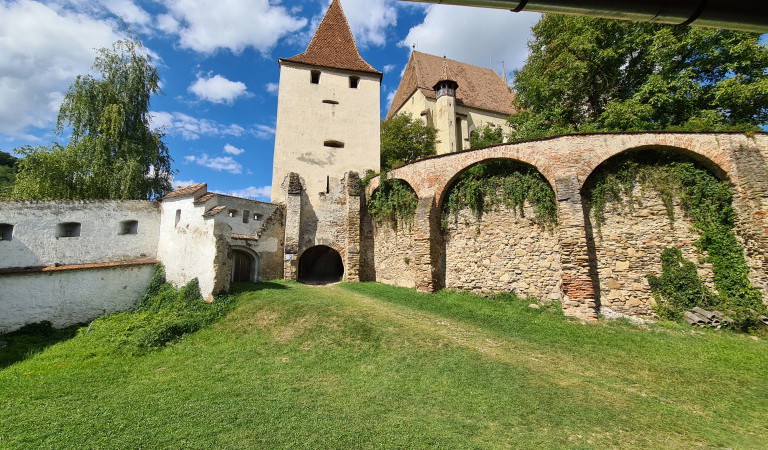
(586, 270)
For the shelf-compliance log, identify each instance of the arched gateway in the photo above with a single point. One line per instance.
(320, 265)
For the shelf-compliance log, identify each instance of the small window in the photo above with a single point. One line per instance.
(314, 77)
(256, 216)
(178, 218)
(353, 82)
(327, 184)
(6, 231)
(129, 227)
(331, 102)
(246, 216)
(68, 229)
(334, 144)
(232, 213)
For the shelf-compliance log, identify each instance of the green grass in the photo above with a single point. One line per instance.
(368, 365)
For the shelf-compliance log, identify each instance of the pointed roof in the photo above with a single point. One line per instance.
(333, 45)
(480, 88)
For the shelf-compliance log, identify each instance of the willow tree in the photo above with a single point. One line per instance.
(112, 152)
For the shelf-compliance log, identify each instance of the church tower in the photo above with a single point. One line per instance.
(327, 135)
(448, 125)
(327, 110)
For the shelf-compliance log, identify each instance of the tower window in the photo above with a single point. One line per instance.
(129, 227)
(68, 229)
(334, 144)
(353, 82)
(232, 212)
(178, 217)
(331, 102)
(314, 77)
(6, 231)
(246, 216)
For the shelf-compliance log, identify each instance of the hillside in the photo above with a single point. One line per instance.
(364, 365)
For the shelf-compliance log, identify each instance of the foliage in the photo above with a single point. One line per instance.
(679, 286)
(112, 152)
(586, 75)
(394, 203)
(504, 182)
(165, 315)
(485, 136)
(405, 140)
(703, 198)
(7, 174)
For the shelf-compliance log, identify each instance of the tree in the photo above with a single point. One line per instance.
(405, 140)
(112, 152)
(485, 136)
(7, 173)
(587, 74)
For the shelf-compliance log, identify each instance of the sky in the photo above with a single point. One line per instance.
(217, 61)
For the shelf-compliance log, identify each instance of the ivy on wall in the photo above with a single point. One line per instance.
(707, 201)
(394, 203)
(490, 184)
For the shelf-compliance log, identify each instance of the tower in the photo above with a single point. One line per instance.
(328, 110)
(446, 121)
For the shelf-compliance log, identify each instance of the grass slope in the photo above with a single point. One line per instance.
(376, 366)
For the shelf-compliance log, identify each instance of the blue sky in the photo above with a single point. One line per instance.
(217, 61)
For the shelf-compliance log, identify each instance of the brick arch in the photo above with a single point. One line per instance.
(707, 152)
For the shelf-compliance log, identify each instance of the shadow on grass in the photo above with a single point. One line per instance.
(32, 339)
(236, 288)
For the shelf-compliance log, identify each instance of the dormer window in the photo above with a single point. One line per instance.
(68, 229)
(333, 144)
(6, 231)
(353, 82)
(314, 77)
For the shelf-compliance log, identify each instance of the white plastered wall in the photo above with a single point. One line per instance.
(68, 297)
(34, 242)
(305, 122)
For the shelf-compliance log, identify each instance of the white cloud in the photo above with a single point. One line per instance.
(218, 89)
(179, 183)
(390, 97)
(272, 88)
(263, 131)
(128, 11)
(191, 128)
(218, 163)
(480, 36)
(253, 192)
(369, 20)
(42, 49)
(389, 68)
(208, 25)
(232, 150)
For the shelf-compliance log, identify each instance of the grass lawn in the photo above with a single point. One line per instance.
(368, 365)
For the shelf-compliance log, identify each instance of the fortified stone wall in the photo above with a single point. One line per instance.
(393, 255)
(628, 247)
(503, 252)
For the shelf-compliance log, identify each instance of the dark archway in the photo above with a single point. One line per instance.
(245, 266)
(320, 265)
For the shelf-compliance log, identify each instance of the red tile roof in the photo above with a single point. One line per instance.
(186, 190)
(215, 210)
(478, 87)
(333, 45)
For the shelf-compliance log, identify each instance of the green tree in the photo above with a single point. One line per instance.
(7, 173)
(485, 136)
(587, 74)
(112, 152)
(405, 140)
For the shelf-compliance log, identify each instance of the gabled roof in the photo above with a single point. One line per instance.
(478, 87)
(333, 45)
(186, 190)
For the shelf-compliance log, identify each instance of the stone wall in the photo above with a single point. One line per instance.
(628, 247)
(503, 252)
(393, 255)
